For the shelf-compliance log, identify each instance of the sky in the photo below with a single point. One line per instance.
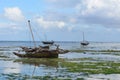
(60, 20)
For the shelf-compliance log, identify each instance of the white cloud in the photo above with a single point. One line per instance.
(48, 24)
(102, 12)
(14, 14)
(71, 28)
(106, 8)
(64, 3)
(89, 6)
(11, 26)
(3, 25)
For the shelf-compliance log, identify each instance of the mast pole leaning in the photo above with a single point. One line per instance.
(31, 33)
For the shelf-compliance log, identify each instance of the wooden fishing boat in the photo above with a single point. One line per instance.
(40, 51)
(42, 54)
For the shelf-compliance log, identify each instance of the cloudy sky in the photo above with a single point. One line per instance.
(60, 20)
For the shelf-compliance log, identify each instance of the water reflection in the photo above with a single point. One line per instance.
(8, 67)
(38, 61)
(42, 67)
(104, 77)
(11, 68)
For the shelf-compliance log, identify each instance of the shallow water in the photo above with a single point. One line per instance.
(10, 68)
(107, 57)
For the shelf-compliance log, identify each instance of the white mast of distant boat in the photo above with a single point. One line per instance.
(83, 37)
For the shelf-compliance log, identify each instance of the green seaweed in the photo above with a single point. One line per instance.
(92, 67)
(86, 65)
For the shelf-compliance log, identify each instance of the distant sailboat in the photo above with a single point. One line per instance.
(48, 42)
(84, 43)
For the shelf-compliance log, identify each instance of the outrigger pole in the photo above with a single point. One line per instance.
(31, 33)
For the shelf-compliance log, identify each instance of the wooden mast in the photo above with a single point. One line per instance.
(31, 33)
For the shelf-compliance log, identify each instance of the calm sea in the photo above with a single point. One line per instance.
(66, 45)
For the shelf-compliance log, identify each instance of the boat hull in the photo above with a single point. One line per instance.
(37, 55)
(48, 42)
(84, 43)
